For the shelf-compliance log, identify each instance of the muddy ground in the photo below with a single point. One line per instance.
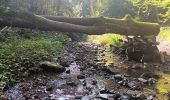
(92, 72)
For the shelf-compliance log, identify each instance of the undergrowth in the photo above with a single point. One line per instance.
(165, 34)
(21, 51)
(106, 39)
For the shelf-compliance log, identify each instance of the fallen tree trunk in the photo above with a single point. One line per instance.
(91, 26)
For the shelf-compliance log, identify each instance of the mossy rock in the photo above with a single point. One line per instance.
(52, 66)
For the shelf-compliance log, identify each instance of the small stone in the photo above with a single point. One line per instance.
(49, 89)
(152, 81)
(133, 86)
(67, 71)
(94, 82)
(166, 82)
(104, 96)
(3, 97)
(143, 80)
(84, 83)
(118, 77)
(78, 97)
(80, 77)
(125, 97)
(151, 97)
(71, 83)
(86, 98)
(138, 97)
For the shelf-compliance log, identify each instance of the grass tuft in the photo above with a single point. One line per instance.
(106, 39)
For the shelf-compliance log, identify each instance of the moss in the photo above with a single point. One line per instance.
(165, 34)
(163, 85)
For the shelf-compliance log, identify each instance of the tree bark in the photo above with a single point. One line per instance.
(91, 26)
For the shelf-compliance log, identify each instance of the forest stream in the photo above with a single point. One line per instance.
(92, 72)
(84, 49)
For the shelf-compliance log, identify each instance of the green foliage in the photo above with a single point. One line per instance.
(106, 39)
(165, 33)
(152, 10)
(118, 8)
(22, 50)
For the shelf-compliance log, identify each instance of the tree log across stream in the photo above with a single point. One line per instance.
(91, 26)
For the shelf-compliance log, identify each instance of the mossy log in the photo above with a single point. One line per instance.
(91, 26)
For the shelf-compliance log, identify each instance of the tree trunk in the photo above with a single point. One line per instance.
(91, 26)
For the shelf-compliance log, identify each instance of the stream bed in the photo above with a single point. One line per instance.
(94, 73)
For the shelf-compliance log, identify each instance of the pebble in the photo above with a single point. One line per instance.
(78, 97)
(152, 81)
(49, 89)
(86, 98)
(80, 77)
(132, 85)
(140, 96)
(105, 96)
(124, 97)
(151, 97)
(118, 77)
(67, 71)
(143, 80)
(84, 83)
(166, 82)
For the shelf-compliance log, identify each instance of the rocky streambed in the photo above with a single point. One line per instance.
(90, 72)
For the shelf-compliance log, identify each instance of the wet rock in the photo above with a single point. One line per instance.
(36, 97)
(96, 60)
(71, 83)
(51, 66)
(123, 82)
(109, 70)
(84, 83)
(52, 96)
(103, 54)
(118, 77)
(125, 97)
(138, 96)
(80, 77)
(151, 97)
(166, 82)
(137, 66)
(78, 97)
(152, 81)
(68, 71)
(3, 97)
(101, 63)
(104, 96)
(143, 80)
(86, 98)
(66, 59)
(49, 89)
(105, 92)
(94, 82)
(116, 96)
(133, 86)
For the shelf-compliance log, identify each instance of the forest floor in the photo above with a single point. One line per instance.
(93, 73)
